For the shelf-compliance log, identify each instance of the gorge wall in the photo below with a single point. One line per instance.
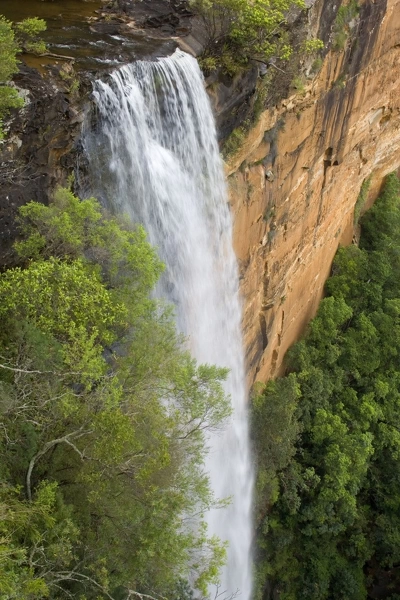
(294, 182)
(296, 179)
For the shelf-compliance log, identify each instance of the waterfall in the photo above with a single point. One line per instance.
(156, 158)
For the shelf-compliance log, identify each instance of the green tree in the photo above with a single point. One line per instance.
(28, 32)
(332, 520)
(241, 30)
(275, 428)
(103, 416)
(14, 39)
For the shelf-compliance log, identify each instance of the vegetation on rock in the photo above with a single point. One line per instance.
(341, 30)
(13, 39)
(103, 418)
(239, 31)
(327, 435)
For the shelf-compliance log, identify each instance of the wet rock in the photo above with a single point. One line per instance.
(154, 14)
(40, 153)
(106, 28)
(168, 19)
(231, 98)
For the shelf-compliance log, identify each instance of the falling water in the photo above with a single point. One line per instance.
(156, 158)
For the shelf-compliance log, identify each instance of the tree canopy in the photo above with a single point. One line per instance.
(328, 513)
(103, 418)
(242, 30)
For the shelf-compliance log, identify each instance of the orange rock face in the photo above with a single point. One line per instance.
(295, 182)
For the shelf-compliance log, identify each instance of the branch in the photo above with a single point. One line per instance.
(275, 67)
(53, 55)
(143, 596)
(64, 591)
(64, 440)
(268, 64)
(74, 576)
(56, 373)
(232, 596)
(16, 174)
(15, 370)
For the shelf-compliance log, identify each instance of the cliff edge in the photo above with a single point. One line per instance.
(295, 181)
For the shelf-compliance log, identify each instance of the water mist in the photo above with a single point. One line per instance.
(156, 158)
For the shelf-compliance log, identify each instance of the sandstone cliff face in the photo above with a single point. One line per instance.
(295, 181)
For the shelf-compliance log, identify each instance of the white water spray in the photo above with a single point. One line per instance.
(156, 158)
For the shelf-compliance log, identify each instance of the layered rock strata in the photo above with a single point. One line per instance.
(295, 182)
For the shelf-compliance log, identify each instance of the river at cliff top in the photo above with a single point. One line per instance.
(73, 30)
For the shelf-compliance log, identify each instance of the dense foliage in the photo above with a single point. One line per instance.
(103, 416)
(13, 39)
(328, 436)
(242, 30)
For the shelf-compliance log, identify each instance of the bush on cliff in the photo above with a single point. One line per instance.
(239, 31)
(328, 518)
(103, 416)
(14, 39)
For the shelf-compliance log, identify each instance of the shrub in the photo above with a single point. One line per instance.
(341, 30)
(246, 30)
(14, 39)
